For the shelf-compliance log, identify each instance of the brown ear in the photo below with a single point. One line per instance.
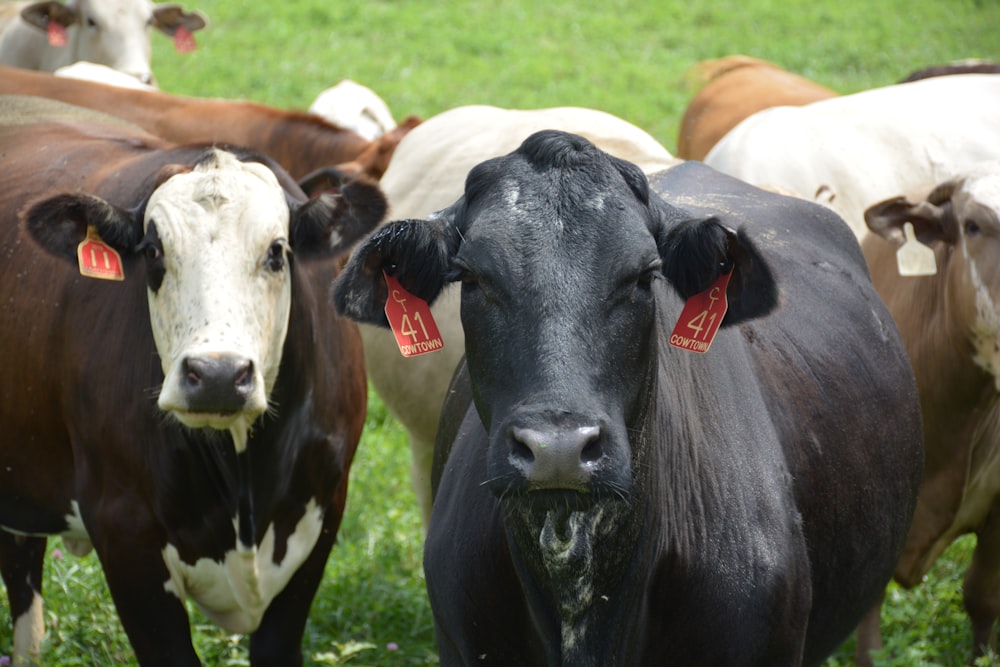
(931, 218)
(168, 17)
(39, 14)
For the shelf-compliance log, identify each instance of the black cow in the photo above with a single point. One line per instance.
(604, 498)
(195, 420)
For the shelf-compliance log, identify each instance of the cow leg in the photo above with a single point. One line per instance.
(869, 635)
(277, 641)
(21, 560)
(154, 618)
(982, 585)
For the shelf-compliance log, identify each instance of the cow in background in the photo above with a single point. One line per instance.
(50, 34)
(736, 87)
(194, 417)
(426, 174)
(950, 323)
(304, 144)
(855, 150)
(605, 498)
(356, 107)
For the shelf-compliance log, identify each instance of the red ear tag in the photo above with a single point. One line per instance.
(97, 259)
(701, 318)
(184, 40)
(410, 320)
(57, 33)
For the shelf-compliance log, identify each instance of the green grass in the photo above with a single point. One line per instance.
(425, 56)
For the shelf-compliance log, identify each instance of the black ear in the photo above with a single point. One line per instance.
(334, 221)
(39, 14)
(59, 224)
(415, 252)
(696, 252)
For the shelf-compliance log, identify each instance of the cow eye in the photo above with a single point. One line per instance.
(971, 227)
(153, 252)
(275, 260)
(91, 23)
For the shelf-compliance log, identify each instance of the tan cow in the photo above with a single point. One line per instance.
(950, 323)
(737, 87)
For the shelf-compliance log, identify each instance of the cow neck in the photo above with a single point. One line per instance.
(584, 566)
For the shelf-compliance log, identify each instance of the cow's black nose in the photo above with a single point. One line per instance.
(217, 384)
(556, 458)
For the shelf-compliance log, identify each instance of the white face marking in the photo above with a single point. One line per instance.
(236, 592)
(115, 33)
(29, 629)
(220, 298)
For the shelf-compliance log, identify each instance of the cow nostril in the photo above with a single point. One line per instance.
(193, 372)
(244, 376)
(592, 451)
(520, 450)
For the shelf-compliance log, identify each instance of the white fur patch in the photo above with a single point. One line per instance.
(29, 629)
(236, 592)
(218, 297)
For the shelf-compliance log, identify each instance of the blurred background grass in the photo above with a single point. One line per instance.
(425, 56)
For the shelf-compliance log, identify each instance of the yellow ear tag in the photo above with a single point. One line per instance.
(914, 258)
(97, 259)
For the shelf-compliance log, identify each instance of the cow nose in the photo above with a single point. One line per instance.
(556, 458)
(217, 384)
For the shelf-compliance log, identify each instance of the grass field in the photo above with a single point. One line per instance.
(425, 56)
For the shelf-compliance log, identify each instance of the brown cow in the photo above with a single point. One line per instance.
(737, 87)
(950, 324)
(300, 142)
(193, 421)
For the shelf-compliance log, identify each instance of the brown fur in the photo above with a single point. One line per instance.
(738, 86)
(298, 141)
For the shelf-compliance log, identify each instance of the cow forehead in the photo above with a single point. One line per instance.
(219, 197)
(117, 9)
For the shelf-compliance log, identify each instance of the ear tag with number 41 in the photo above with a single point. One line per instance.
(702, 316)
(411, 321)
(97, 259)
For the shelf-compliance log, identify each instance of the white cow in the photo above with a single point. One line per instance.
(427, 173)
(108, 32)
(855, 150)
(354, 107)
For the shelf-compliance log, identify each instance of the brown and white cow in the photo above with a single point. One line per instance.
(302, 143)
(950, 324)
(50, 34)
(195, 420)
(428, 172)
(738, 86)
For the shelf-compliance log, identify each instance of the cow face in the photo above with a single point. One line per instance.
(961, 219)
(112, 32)
(217, 240)
(561, 251)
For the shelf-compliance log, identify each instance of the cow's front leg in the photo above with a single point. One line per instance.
(153, 615)
(277, 642)
(21, 560)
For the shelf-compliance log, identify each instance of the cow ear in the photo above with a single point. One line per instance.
(696, 252)
(334, 221)
(415, 252)
(932, 219)
(39, 14)
(59, 224)
(168, 17)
